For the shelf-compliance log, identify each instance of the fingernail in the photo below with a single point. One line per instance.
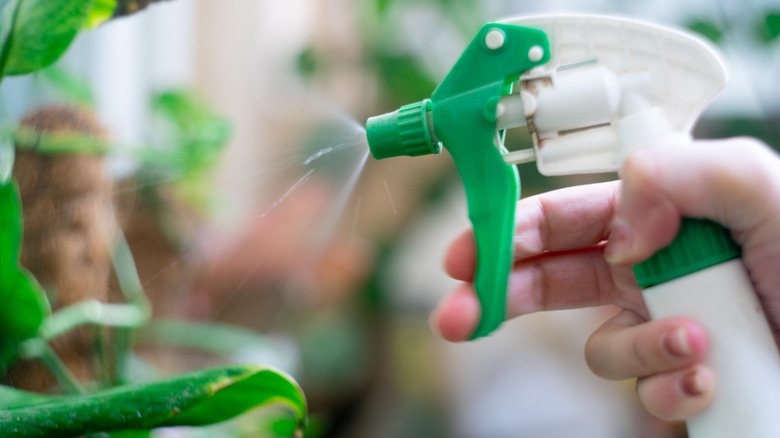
(676, 342)
(692, 384)
(619, 242)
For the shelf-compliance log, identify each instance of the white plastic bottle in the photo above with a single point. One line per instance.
(742, 350)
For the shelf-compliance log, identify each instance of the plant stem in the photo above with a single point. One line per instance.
(94, 312)
(133, 291)
(100, 358)
(127, 273)
(38, 348)
(47, 143)
(122, 343)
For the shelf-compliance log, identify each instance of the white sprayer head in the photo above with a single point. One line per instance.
(611, 85)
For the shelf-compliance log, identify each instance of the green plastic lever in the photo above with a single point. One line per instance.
(461, 116)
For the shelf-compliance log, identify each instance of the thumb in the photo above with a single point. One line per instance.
(733, 182)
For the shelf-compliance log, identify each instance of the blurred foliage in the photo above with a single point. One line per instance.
(221, 339)
(401, 71)
(405, 76)
(759, 31)
(708, 29)
(307, 63)
(769, 27)
(193, 133)
(59, 143)
(191, 140)
(184, 400)
(33, 35)
(763, 32)
(764, 129)
(335, 351)
(184, 148)
(67, 86)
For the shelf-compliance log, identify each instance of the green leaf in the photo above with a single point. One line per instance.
(707, 29)
(15, 398)
(40, 32)
(8, 18)
(194, 131)
(9, 353)
(23, 305)
(195, 399)
(10, 226)
(246, 388)
(102, 11)
(769, 28)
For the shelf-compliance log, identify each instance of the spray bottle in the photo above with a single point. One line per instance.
(591, 89)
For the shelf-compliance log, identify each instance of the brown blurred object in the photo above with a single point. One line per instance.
(158, 232)
(68, 228)
(282, 256)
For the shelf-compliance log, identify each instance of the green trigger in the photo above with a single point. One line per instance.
(461, 116)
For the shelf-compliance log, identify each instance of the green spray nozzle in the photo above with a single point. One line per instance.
(406, 131)
(461, 116)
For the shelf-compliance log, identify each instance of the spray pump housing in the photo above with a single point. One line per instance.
(589, 89)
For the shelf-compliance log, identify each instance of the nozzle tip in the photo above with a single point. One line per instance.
(406, 131)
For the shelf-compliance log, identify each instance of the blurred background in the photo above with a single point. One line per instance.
(294, 233)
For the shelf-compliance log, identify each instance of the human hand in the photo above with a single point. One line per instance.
(575, 247)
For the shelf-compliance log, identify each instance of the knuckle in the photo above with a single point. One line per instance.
(615, 351)
(594, 354)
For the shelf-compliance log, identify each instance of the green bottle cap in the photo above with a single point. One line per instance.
(406, 131)
(699, 244)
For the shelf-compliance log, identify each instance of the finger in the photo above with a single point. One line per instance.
(678, 395)
(460, 260)
(627, 346)
(561, 220)
(567, 280)
(551, 281)
(457, 315)
(566, 219)
(733, 182)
